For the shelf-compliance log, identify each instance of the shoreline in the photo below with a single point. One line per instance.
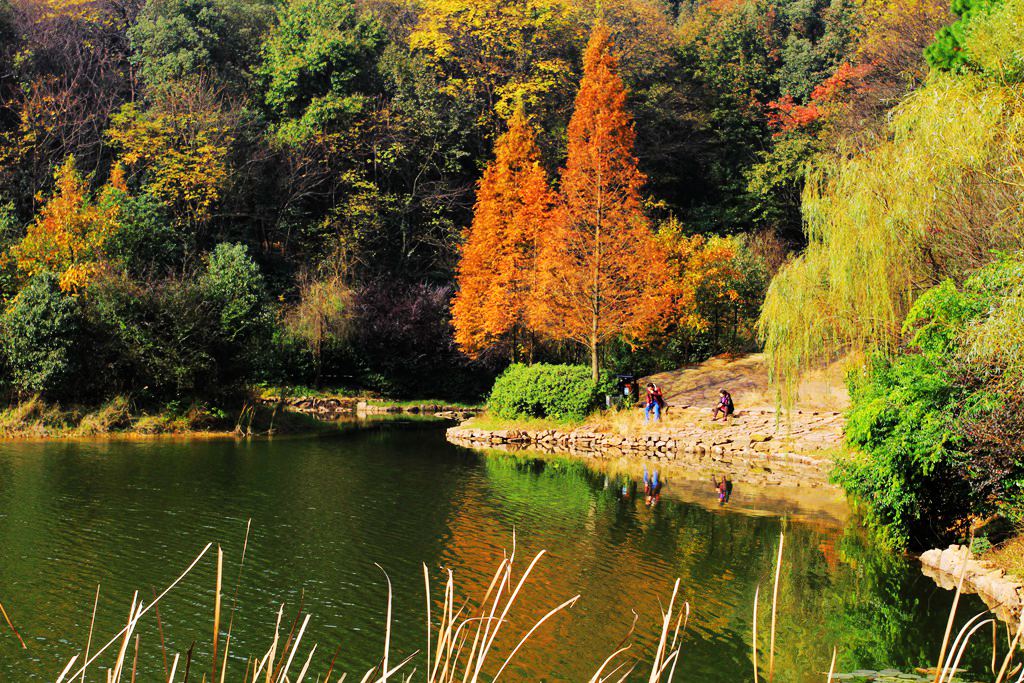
(753, 449)
(1002, 592)
(34, 420)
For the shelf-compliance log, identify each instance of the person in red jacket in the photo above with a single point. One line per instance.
(655, 402)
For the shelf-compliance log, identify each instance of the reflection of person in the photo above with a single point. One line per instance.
(724, 489)
(655, 402)
(725, 406)
(652, 488)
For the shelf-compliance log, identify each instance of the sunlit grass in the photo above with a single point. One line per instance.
(36, 418)
(1009, 555)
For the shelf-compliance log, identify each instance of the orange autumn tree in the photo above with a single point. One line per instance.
(68, 235)
(513, 204)
(600, 270)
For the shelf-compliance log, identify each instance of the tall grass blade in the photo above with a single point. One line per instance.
(167, 590)
(387, 627)
(11, 626)
(568, 603)
(775, 602)
(757, 595)
(60, 679)
(952, 615)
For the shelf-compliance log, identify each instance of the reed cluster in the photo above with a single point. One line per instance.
(460, 644)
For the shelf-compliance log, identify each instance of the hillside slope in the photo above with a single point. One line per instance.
(746, 378)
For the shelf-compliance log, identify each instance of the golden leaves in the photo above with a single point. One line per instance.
(67, 237)
(183, 154)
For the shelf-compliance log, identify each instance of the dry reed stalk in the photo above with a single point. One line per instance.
(952, 615)
(461, 649)
(775, 600)
(160, 630)
(92, 624)
(832, 666)
(142, 612)
(1009, 655)
(11, 626)
(757, 595)
(174, 669)
(135, 659)
(64, 672)
(216, 613)
(234, 604)
(963, 637)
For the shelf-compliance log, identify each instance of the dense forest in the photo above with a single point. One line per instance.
(202, 195)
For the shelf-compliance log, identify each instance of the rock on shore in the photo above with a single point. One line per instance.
(1002, 592)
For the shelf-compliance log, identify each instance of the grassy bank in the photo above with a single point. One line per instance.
(35, 418)
(1009, 555)
(344, 395)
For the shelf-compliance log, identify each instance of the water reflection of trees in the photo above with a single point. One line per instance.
(836, 588)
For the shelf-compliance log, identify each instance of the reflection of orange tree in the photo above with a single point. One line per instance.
(617, 553)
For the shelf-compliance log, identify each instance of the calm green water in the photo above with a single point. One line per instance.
(131, 515)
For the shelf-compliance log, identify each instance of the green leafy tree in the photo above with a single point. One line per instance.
(318, 65)
(41, 337)
(177, 39)
(147, 241)
(949, 51)
(234, 282)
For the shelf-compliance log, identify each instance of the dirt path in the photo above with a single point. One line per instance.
(746, 378)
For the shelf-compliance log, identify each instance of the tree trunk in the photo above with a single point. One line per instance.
(595, 370)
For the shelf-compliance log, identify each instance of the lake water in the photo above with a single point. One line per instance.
(130, 515)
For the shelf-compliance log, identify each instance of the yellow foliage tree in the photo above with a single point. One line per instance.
(181, 148)
(504, 52)
(67, 237)
(701, 276)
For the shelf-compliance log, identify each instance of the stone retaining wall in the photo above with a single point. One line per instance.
(1002, 592)
(759, 458)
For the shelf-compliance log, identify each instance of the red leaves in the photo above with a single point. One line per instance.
(786, 115)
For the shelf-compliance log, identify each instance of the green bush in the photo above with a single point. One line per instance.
(937, 426)
(146, 242)
(560, 392)
(39, 335)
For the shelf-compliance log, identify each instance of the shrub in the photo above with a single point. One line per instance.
(40, 337)
(938, 424)
(234, 286)
(560, 392)
(157, 339)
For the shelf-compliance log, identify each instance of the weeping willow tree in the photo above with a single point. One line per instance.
(931, 202)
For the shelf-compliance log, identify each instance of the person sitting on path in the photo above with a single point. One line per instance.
(655, 402)
(725, 406)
